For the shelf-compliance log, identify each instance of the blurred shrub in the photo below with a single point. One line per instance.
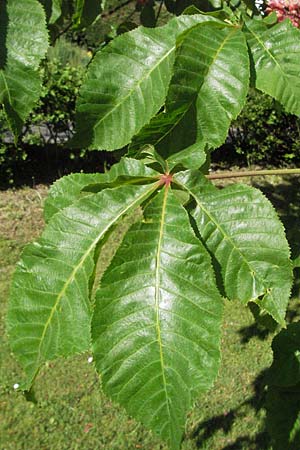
(40, 154)
(264, 133)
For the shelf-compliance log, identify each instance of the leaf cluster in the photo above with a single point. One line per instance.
(153, 321)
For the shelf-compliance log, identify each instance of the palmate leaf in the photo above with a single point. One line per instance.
(276, 55)
(23, 41)
(241, 229)
(206, 91)
(50, 308)
(70, 188)
(126, 84)
(157, 317)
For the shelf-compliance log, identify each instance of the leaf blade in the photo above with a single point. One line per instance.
(50, 309)
(241, 228)
(155, 339)
(25, 47)
(120, 79)
(206, 91)
(276, 53)
(70, 188)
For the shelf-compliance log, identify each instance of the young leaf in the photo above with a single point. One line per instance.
(132, 73)
(241, 228)
(70, 188)
(157, 317)
(23, 41)
(206, 92)
(49, 311)
(276, 55)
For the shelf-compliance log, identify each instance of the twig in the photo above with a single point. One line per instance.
(252, 173)
(159, 11)
(62, 32)
(112, 11)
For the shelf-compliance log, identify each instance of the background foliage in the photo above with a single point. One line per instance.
(263, 134)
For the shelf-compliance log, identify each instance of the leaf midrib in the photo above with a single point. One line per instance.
(157, 300)
(268, 52)
(205, 76)
(80, 264)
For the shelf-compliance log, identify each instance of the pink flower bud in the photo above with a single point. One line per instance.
(285, 9)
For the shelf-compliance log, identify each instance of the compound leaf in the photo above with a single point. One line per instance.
(70, 188)
(241, 229)
(156, 323)
(23, 42)
(50, 308)
(126, 84)
(276, 55)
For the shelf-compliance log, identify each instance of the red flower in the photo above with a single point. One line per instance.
(285, 9)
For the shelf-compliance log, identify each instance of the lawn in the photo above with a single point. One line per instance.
(71, 412)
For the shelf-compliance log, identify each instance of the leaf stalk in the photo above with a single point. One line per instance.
(252, 173)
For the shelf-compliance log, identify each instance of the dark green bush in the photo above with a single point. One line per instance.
(264, 133)
(41, 154)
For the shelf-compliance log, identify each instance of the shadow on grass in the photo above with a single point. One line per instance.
(224, 422)
(247, 333)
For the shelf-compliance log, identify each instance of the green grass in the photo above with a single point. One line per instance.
(71, 411)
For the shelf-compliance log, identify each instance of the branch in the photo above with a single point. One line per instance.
(112, 11)
(252, 173)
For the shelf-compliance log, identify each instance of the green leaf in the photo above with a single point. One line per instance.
(191, 157)
(53, 10)
(276, 55)
(296, 262)
(50, 308)
(157, 317)
(66, 191)
(271, 19)
(126, 84)
(242, 230)
(23, 41)
(206, 92)
(86, 11)
(70, 188)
